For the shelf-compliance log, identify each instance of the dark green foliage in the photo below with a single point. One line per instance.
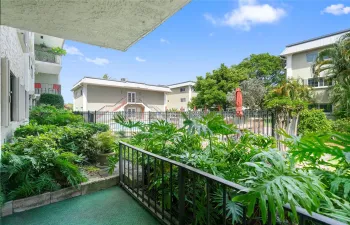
(35, 165)
(319, 181)
(213, 88)
(265, 67)
(341, 125)
(52, 99)
(313, 120)
(105, 142)
(50, 115)
(33, 130)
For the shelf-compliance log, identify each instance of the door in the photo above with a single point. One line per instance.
(131, 112)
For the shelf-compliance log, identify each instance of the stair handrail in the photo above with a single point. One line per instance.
(111, 105)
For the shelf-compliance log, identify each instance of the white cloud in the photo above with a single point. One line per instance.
(249, 13)
(71, 50)
(211, 34)
(210, 18)
(140, 59)
(98, 61)
(162, 40)
(338, 9)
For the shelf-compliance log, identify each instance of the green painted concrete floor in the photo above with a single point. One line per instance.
(112, 206)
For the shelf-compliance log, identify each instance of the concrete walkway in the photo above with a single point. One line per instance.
(112, 206)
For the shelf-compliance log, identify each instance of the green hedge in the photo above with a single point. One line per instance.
(51, 99)
(313, 120)
(50, 115)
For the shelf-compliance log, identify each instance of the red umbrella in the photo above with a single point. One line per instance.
(239, 102)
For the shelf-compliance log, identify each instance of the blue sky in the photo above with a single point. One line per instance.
(204, 34)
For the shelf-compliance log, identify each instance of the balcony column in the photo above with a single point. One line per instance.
(289, 66)
(85, 97)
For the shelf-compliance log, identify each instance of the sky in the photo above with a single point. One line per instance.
(204, 34)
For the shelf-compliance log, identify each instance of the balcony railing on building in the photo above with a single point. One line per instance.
(42, 88)
(43, 54)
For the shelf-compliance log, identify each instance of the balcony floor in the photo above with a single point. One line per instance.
(110, 206)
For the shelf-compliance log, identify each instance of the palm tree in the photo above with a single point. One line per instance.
(288, 99)
(334, 62)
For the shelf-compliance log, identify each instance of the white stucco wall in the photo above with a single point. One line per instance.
(174, 98)
(47, 78)
(10, 48)
(99, 96)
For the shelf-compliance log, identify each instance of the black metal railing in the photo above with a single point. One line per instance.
(259, 122)
(176, 193)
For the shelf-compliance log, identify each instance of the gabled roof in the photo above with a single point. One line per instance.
(120, 84)
(182, 84)
(314, 43)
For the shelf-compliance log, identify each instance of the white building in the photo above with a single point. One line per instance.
(180, 95)
(300, 57)
(95, 94)
(17, 78)
(47, 65)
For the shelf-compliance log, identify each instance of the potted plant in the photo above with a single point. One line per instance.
(105, 143)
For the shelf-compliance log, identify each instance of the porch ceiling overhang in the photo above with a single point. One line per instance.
(107, 23)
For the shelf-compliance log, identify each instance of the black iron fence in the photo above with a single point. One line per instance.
(179, 194)
(259, 122)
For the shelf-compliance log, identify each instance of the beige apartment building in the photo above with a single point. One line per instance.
(94, 94)
(180, 95)
(299, 60)
(48, 65)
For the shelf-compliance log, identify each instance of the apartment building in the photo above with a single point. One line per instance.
(48, 65)
(17, 79)
(180, 95)
(94, 94)
(300, 57)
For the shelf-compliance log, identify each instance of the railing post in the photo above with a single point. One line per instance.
(120, 162)
(88, 116)
(149, 117)
(166, 115)
(181, 175)
(95, 116)
(273, 123)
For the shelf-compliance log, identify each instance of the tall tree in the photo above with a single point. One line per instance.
(334, 62)
(288, 99)
(106, 77)
(213, 88)
(265, 67)
(253, 91)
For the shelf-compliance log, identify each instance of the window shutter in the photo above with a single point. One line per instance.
(5, 92)
(21, 100)
(16, 93)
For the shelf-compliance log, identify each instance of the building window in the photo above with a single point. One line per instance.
(327, 108)
(131, 96)
(319, 82)
(183, 99)
(311, 57)
(193, 89)
(81, 92)
(182, 89)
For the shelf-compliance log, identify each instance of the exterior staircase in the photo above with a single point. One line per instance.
(110, 108)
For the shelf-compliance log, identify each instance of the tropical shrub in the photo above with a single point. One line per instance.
(105, 142)
(35, 165)
(313, 120)
(32, 129)
(341, 125)
(50, 115)
(313, 174)
(51, 99)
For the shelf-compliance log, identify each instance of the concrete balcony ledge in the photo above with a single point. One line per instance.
(32, 202)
